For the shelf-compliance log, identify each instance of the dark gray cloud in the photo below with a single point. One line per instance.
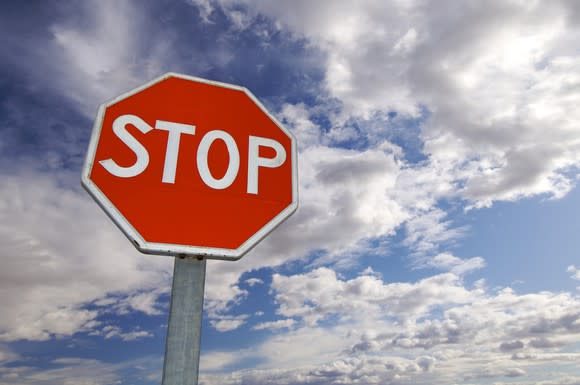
(62, 60)
(509, 346)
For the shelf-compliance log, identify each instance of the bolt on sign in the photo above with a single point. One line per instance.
(187, 166)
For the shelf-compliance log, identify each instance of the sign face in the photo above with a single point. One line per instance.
(189, 166)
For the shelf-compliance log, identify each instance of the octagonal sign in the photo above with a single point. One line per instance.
(189, 166)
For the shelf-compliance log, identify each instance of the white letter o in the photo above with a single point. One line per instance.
(233, 165)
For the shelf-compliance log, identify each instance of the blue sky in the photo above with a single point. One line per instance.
(436, 239)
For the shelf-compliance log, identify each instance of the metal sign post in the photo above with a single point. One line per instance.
(181, 365)
(126, 173)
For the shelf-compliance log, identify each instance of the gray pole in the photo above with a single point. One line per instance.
(181, 364)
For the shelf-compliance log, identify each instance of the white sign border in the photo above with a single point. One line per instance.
(174, 249)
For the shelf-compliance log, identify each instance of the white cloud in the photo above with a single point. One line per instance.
(480, 317)
(145, 302)
(493, 88)
(345, 199)
(205, 8)
(111, 331)
(228, 324)
(99, 60)
(275, 325)
(371, 328)
(297, 117)
(380, 57)
(491, 372)
(296, 349)
(565, 380)
(321, 293)
(574, 271)
(348, 196)
(106, 49)
(498, 81)
(67, 371)
(510, 346)
(254, 281)
(340, 371)
(427, 231)
(61, 253)
(447, 261)
(215, 361)
(7, 355)
(75, 371)
(80, 257)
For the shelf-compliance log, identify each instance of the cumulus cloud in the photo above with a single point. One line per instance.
(491, 372)
(7, 355)
(298, 118)
(429, 230)
(217, 361)
(455, 333)
(321, 293)
(275, 325)
(447, 261)
(254, 281)
(469, 316)
(348, 196)
(59, 255)
(354, 370)
(228, 324)
(66, 371)
(574, 271)
(546, 343)
(74, 370)
(345, 200)
(509, 346)
(110, 331)
(85, 66)
(494, 79)
(484, 85)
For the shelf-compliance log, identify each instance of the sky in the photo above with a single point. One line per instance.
(436, 241)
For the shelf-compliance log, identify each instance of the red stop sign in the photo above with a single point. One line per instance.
(189, 166)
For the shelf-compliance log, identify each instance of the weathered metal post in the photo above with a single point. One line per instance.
(181, 365)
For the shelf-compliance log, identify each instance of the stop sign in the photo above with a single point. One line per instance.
(189, 166)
